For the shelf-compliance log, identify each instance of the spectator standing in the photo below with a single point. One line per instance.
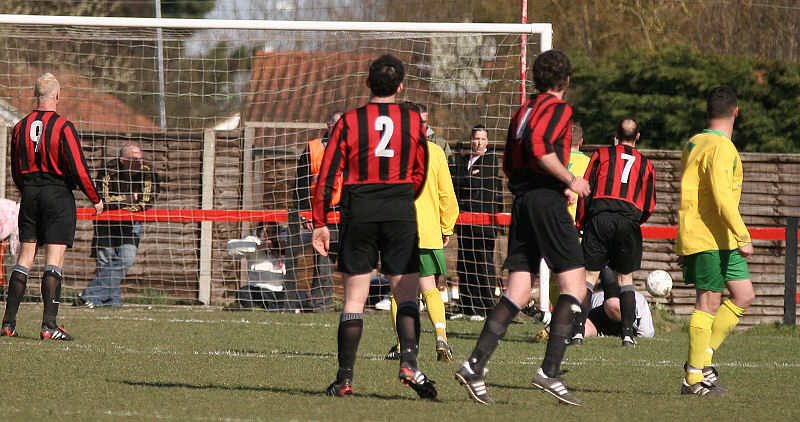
(478, 188)
(125, 183)
(47, 163)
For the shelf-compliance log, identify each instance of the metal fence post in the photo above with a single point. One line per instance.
(790, 273)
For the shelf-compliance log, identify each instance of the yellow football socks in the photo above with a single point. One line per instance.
(394, 319)
(699, 337)
(725, 321)
(433, 300)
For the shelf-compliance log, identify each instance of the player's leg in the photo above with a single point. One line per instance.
(557, 237)
(359, 255)
(595, 255)
(738, 282)
(625, 256)
(522, 253)
(351, 325)
(16, 287)
(627, 307)
(703, 270)
(473, 371)
(28, 227)
(432, 264)
(398, 243)
(51, 292)
(580, 318)
(394, 352)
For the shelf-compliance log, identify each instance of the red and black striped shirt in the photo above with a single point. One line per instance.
(542, 126)
(623, 181)
(45, 149)
(381, 149)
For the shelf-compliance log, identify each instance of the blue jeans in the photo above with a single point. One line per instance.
(112, 265)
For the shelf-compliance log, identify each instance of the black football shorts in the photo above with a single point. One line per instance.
(395, 241)
(541, 227)
(605, 325)
(613, 240)
(47, 215)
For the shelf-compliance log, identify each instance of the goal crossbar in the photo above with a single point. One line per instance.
(175, 23)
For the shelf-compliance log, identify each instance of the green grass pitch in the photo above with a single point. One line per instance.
(172, 363)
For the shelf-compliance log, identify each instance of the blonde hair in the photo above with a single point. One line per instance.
(47, 87)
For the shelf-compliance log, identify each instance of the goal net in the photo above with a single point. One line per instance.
(221, 111)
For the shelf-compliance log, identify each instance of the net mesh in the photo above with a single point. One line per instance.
(239, 107)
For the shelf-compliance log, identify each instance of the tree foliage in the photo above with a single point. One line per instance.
(666, 90)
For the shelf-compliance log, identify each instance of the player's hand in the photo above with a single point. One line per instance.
(580, 186)
(445, 240)
(320, 240)
(572, 198)
(98, 208)
(308, 225)
(746, 251)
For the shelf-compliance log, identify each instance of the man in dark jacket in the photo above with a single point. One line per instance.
(129, 184)
(478, 188)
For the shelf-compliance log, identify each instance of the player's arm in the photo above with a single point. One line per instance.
(551, 123)
(77, 163)
(649, 193)
(721, 176)
(333, 164)
(448, 203)
(420, 170)
(552, 165)
(583, 202)
(16, 170)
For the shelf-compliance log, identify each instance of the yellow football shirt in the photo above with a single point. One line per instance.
(578, 162)
(437, 205)
(711, 188)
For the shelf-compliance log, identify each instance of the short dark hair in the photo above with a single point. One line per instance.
(408, 105)
(478, 128)
(386, 73)
(550, 71)
(422, 108)
(627, 129)
(721, 102)
(577, 134)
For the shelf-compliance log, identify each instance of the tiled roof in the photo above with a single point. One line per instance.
(296, 86)
(90, 109)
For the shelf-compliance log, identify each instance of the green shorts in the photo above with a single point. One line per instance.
(710, 270)
(431, 262)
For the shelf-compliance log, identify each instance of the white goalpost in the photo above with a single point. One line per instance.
(222, 110)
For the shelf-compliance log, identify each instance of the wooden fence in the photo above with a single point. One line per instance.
(249, 174)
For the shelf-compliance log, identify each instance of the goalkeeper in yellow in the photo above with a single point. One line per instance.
(437, 212)
(713, 242)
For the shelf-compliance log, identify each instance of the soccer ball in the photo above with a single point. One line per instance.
(659, 283)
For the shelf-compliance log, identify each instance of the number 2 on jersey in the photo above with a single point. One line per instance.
(36, 134)
(626, 172)
(385, 125)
